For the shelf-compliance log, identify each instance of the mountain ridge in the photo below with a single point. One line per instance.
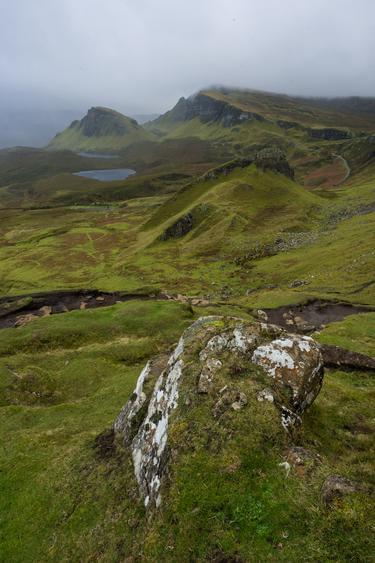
(217, 113)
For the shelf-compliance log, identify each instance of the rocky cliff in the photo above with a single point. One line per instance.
(329, 134)
(208, 110)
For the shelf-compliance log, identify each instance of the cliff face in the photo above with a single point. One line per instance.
(329, 134)
(209, 110)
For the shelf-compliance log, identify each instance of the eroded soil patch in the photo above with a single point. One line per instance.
(22, 309)
(313, 315)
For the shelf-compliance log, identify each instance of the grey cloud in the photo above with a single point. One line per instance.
(142, 55)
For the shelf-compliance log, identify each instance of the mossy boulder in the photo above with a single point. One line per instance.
(234, 376)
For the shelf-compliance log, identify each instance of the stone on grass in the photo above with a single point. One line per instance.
(336, 487)
(200, 372)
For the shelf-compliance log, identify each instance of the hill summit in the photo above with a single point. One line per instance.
(101, 129)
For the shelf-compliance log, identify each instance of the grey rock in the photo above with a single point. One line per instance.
(292, 364)
(336, 487)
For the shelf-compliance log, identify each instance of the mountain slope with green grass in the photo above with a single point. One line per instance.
(237, 107)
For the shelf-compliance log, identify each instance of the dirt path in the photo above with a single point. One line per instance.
(346, 166)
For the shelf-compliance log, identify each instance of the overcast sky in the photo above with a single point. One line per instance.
(142, 55)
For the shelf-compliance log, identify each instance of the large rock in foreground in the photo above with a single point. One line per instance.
(224, 365)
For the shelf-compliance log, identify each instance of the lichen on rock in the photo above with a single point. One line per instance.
(277, 371)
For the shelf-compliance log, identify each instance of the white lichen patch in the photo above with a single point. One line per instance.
(265, 395)
(273, 356)
(286, 466)
(239, 341)
(217, 343)
(148, 446)
(305, 343)
(213, 364)
(289, 419)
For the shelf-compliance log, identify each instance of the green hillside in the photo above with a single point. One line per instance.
(230, 108)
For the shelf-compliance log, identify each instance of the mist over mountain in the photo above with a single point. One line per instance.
(32, 128)
(315, 48)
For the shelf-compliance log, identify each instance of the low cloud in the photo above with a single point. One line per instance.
(142, 55)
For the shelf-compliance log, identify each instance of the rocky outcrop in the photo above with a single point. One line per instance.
(288, 124)
(226, 168)
(224, 363)
(180, 228)
(336, 487)
(187, 222)
(274, 159)
(209, 109)
(283, 243)
(329, 134)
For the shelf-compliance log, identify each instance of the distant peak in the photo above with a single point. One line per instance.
(105, 110)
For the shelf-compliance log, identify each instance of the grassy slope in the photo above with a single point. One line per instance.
(54, 400)
(73, 139)
(316, 112)
(116, 247)
(64, 378)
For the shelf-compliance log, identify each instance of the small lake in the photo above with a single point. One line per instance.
(106, 175)
(97, 155)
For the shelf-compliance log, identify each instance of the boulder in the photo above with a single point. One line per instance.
(262, 315)
(45, 311)
(295, 366)
(302, 460)
(275, 372)
(336, 487)
(24, 320)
